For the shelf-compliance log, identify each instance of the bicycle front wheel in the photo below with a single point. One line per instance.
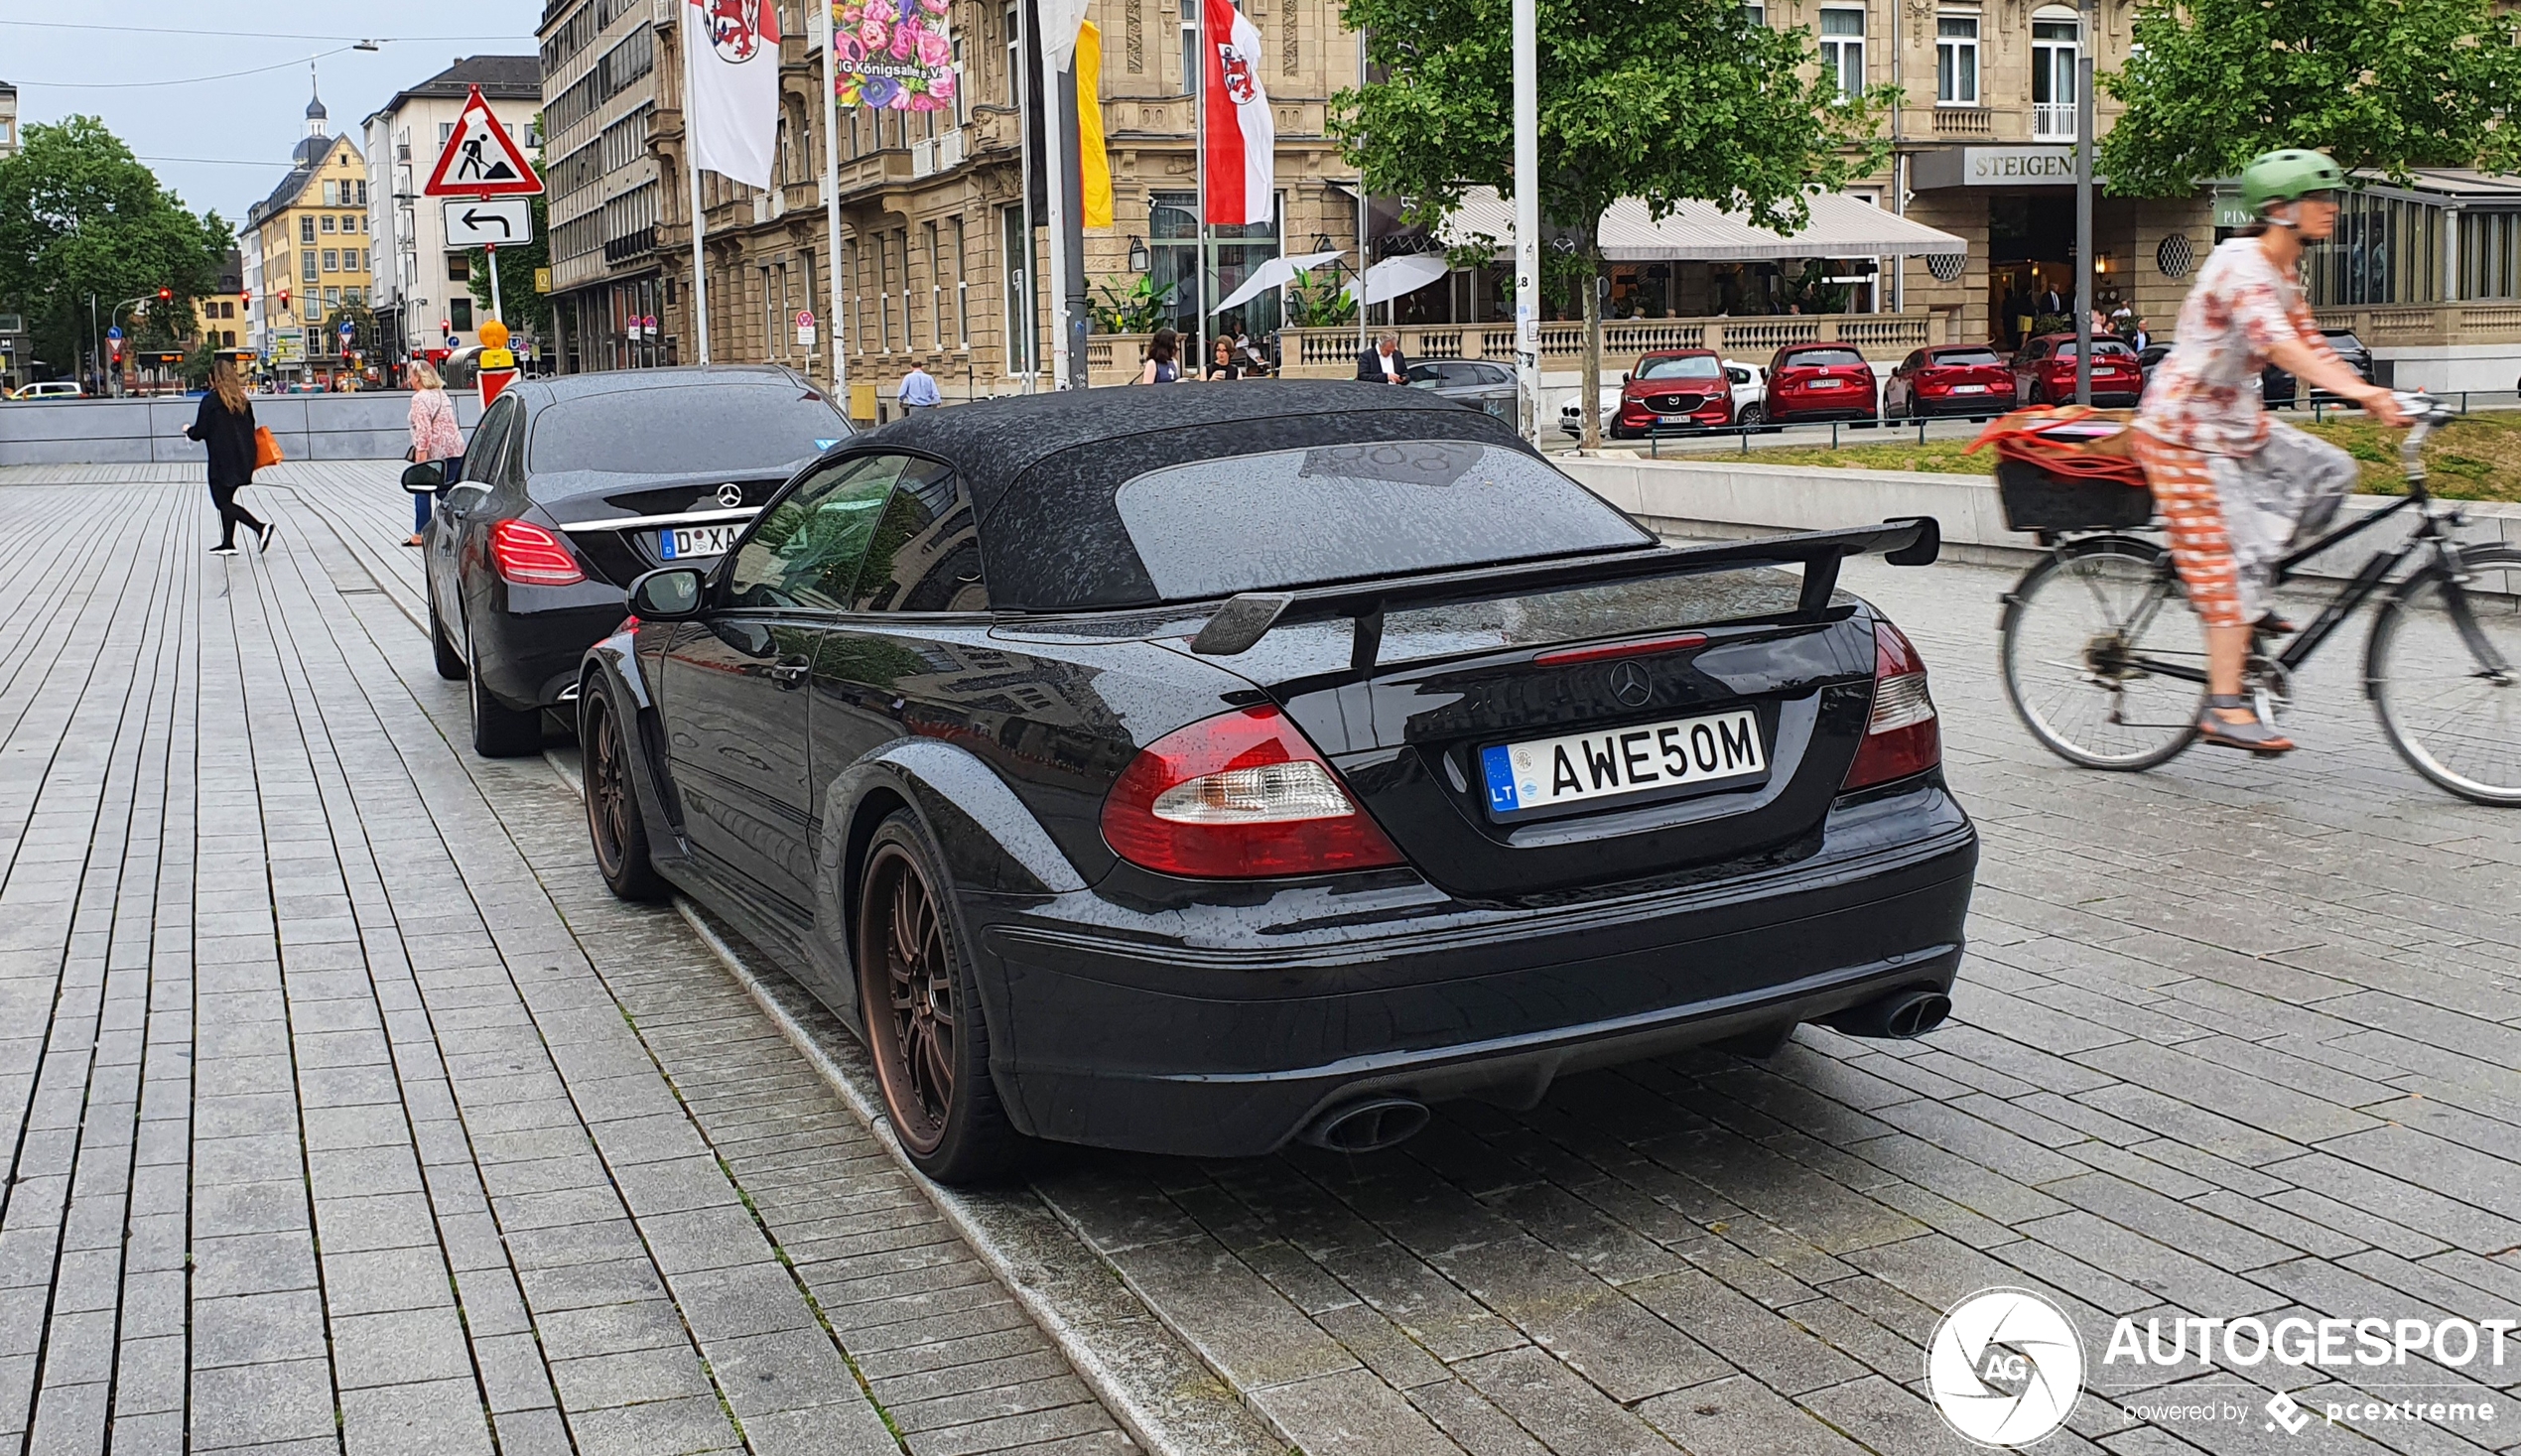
(2102, 658)
(2444, 671)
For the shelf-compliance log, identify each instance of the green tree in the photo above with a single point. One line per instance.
(523, 309)
(2381, 86)
(81, 215)
(1688, 101)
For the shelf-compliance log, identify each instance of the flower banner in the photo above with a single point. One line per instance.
(892, 53)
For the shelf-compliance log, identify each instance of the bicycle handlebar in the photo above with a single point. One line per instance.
(2425, 413)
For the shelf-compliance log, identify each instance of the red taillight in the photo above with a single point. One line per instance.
(530, 556)
(1902, 737)
(1239, 796)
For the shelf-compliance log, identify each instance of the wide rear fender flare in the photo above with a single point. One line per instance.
(990, 841)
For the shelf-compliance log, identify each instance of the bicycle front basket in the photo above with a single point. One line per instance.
(2036, 499)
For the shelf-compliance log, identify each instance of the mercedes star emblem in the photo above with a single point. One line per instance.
(1629, 685)
(730, 496)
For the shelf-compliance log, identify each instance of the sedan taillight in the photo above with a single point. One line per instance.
(1902, 735)
(1239, 796)
(529, 554)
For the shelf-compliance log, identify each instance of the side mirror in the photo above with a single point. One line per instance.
(1622, 376)
(427, 475)
(668, 595)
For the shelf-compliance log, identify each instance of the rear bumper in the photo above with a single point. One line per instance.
(1120, 1028)
(1963, 404)
(532, 640)
(1785, 411)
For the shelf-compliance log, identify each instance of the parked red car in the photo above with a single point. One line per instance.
(1676, 389)
(1819, 381)
(2044, 372)
(1951, 379)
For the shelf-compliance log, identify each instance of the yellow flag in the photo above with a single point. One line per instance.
(1094, 168)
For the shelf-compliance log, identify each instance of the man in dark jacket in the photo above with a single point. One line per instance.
(1382, 365)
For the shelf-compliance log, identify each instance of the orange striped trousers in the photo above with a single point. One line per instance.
(2200, 547)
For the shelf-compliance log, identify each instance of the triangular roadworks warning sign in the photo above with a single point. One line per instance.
(480, 158)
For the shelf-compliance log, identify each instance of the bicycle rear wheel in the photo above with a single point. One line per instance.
(2444, 671)
(2102, 658)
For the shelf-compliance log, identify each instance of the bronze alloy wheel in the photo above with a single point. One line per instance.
(608, 806)
(907, 980)
(613, 822)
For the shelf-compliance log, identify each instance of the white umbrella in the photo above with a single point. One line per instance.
(1392, 276)
(1275, 273)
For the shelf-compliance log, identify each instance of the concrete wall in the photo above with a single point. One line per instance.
(368, 426)
(1749, 498)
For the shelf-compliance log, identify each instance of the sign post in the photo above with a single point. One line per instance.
(805, 328)
(481, 161)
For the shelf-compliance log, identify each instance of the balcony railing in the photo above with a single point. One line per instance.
(1963, 121)
(2485, 320)
(2053, 121)
(630, 245)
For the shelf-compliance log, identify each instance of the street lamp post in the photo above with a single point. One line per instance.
(1527, 44)
(2090, 28)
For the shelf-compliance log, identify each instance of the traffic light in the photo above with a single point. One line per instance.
(166, 294)
(284, 301)
(245, 298)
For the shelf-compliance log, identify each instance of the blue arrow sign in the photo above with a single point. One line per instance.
(114, 332)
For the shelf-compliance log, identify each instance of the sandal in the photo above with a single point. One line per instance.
(2276, 627)
(2252, 736)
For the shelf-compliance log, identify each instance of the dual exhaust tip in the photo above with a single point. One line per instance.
(1377, 1122)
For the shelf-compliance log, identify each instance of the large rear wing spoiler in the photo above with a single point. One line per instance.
(1249, 617)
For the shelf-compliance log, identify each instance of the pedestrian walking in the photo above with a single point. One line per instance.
(434, 437)
(1382, 365)
(225, 424)
(1161, 367)
(919, 388)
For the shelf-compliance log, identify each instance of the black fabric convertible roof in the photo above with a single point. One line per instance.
(1042, 469)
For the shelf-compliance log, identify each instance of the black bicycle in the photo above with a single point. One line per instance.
(2106, 664)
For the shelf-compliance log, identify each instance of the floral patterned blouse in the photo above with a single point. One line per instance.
(2204, 394)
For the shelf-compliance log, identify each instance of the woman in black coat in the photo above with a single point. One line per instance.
(225, 424)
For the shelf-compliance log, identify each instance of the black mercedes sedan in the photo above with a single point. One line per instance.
(1196, 770)
(574, 485)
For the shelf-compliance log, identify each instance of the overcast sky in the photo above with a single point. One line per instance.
(195, 134)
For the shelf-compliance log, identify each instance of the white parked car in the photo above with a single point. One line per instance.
(1750, 398)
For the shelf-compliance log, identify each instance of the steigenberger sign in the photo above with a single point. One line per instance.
(1995, 167)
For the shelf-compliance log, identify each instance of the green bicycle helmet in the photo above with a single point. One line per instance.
(2287, 176)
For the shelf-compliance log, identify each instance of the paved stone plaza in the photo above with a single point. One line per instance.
(347, 1112)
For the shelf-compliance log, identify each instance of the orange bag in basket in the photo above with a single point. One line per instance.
(2077, 442)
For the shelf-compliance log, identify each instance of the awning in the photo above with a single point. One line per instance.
(1840, 227)
(1392, 276)
(1274, 273)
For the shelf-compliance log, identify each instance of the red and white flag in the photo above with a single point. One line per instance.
(1242, 140)
(730, 108)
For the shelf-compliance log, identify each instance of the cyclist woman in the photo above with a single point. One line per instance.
(2236, 486)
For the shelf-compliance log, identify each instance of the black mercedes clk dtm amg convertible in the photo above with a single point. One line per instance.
(1195, 770)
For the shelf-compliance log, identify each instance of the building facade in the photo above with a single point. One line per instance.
(603, 184)
(8, 120)
(934, 254)
(419, 285)
(314, 242)
(222, 320)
